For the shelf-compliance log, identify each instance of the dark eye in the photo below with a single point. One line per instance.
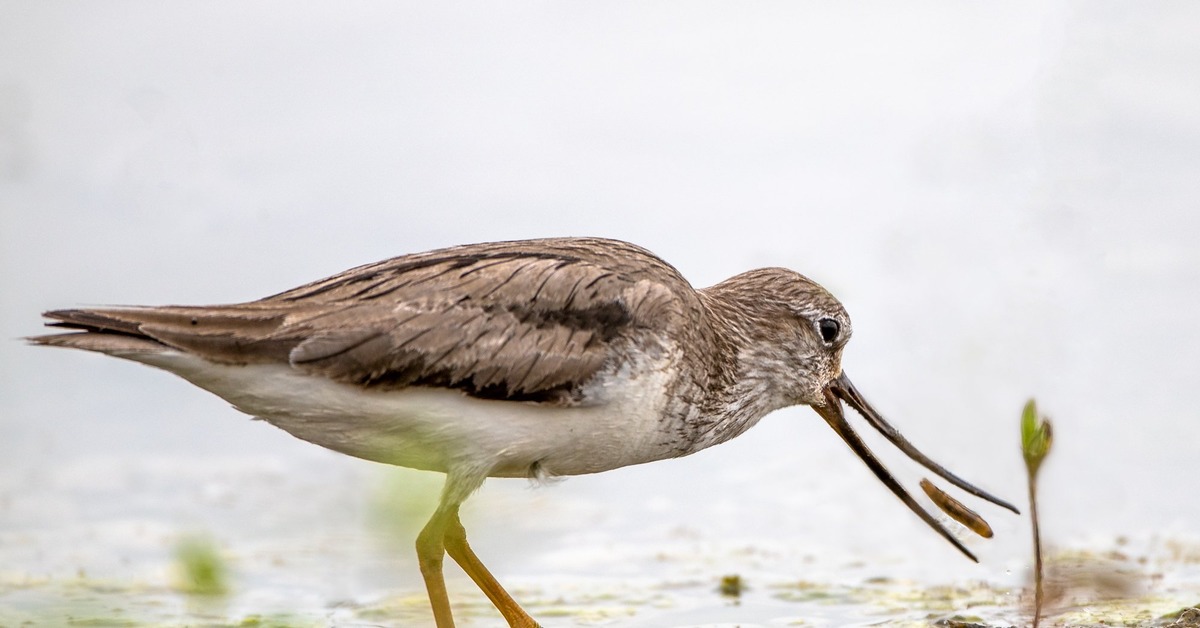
(829, 329)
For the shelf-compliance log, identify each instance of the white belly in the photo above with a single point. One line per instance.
(439, 429)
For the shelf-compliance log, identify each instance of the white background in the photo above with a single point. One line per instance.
(1004, 195)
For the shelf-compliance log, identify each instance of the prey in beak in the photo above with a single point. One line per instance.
(840, 389)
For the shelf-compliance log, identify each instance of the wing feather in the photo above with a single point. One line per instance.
(514, 320)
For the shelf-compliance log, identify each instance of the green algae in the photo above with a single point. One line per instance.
(731, 586)
(82, 601)
(201, 570)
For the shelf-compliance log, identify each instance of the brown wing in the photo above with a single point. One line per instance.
(513, 320)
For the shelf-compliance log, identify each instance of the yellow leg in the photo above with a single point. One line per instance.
(444, 534)
(430, 552)
(455, 542)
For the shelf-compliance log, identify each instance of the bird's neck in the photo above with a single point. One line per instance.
(729, 396)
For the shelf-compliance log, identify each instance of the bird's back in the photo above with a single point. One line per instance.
(525, 320)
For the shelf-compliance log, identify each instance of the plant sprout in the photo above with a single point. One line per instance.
(1035, 445)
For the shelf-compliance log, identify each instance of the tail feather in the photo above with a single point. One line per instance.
(129, 320)
(116, 344)
(107, 321)
(224, 334)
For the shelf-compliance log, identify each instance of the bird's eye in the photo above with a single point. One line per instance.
(829, 329)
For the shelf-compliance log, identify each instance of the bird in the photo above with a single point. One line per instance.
(535, 359)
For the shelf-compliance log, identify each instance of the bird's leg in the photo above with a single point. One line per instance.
(431, 550)
(455, 540)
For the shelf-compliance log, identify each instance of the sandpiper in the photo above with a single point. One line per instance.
(534, 358)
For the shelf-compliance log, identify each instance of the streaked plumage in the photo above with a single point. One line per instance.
(447, 318)
(540, 357)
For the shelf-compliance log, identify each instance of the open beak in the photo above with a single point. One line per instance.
(840, 390)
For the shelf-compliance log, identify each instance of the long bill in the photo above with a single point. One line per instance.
(841, 389)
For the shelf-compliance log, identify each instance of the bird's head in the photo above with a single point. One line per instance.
(789, 333)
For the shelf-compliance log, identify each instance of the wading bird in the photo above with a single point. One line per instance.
(533, 358)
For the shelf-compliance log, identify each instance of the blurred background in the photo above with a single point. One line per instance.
(1003, 195)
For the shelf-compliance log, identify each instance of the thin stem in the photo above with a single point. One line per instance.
(1037, 551)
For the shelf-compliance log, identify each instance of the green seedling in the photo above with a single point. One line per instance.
(1036, 437)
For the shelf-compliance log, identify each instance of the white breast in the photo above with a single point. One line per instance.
(437, 429)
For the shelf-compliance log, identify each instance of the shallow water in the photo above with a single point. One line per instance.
(318, 542)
